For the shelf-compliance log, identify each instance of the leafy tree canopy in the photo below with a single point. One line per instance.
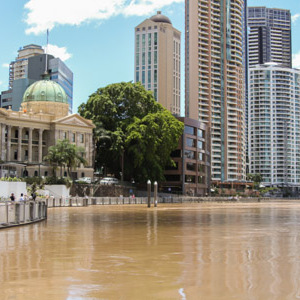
(131, 123)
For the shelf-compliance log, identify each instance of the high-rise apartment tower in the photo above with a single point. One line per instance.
(274, 127)
(157, 60)
(270, 36)
(28, 67)
(215, 80)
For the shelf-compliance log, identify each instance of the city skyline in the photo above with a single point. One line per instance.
(90, 44)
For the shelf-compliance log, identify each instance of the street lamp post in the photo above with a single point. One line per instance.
(155, 193)
(149, 192)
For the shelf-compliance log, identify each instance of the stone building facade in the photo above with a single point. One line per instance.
(43, 119)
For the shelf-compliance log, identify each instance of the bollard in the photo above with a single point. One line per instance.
(149, 192)
(17, 213)
(53, 202)
(70, 204)
(94, 201)
(31, 211)
(6, 206)
(155, 194)
(60, 201)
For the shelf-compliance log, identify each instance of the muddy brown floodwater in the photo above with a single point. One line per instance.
(198, 251)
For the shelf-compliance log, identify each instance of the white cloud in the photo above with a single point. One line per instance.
(70, 12)
(295, 17)
(5, 65)
(296, 60)
(60, 52)
(1, 82)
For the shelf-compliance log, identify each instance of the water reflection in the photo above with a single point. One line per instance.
(205, 251)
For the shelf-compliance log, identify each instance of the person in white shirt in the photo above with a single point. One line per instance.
(21, 197)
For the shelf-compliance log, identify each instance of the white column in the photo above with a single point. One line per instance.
(20, 130)
(8, 142)
(3, 142)
(90, 149)
(30, 145)
(41, 145)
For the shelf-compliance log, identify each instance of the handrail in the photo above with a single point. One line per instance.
(22, 212)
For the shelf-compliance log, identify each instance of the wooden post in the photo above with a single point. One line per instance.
(149, 192)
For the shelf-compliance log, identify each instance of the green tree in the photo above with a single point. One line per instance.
(66, 154)
(256, 178)
(131, 127)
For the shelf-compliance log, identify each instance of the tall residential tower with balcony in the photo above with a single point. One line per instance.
(157, 60)
(29, 67)
(215, 80)
(270, 36)
(274, 124)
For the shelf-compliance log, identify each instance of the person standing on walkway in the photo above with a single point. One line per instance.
(21, 197)
(33, 195)
(12, 197)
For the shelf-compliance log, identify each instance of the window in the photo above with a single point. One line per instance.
(155, 38)
(46, 173)
(189, 154)
(200, 144)
(190, 178)
(81, 138)
(172, 177)
(15, 154)
(36, 173)
(172, 167)
(176, 153)
(190, 166)
(190, 142)
(155, 57)
(73, 137)
(200, 133)
(189, 129)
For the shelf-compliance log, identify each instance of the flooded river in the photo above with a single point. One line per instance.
(198, 251)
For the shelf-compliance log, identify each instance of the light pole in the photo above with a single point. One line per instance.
(149, 192)
(155, 194)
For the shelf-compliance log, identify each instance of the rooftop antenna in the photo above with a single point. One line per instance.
(46, 74)
(47, 50)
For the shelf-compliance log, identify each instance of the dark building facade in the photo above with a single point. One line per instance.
(191, 174)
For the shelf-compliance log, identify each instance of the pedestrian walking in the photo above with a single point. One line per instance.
(21, 197)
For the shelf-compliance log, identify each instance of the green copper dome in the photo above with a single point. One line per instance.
(45, 90)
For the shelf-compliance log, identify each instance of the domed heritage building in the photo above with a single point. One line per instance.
(41, 121)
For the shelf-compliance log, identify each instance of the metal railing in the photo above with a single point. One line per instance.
(17, 213)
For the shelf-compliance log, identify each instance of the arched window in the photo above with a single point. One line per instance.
(36, 173)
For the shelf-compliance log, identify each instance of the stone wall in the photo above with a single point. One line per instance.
(100, 190)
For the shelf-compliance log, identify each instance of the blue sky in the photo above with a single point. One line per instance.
(95, 38)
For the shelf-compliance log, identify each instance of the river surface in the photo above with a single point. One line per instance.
(197, 251)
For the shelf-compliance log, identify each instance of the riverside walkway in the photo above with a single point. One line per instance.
(22, 213)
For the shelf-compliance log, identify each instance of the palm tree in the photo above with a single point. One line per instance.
(74, 156)
(55, 159)
(65, 153)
